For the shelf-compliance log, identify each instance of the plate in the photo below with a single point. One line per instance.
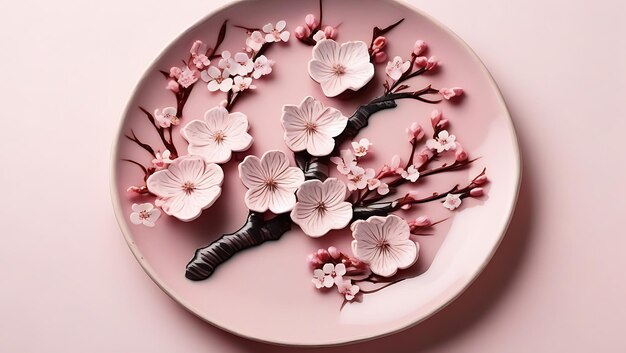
(266, 292)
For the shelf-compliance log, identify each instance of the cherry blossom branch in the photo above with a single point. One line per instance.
(169, 144)
(136, 140)
(144, 169)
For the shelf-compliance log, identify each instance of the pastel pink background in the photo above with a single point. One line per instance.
(70, 284)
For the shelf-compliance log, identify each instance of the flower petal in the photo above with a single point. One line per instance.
(258, 198)
(282, 200)
(197, 132)
(251, 172)
(274, 163)
(327, 51)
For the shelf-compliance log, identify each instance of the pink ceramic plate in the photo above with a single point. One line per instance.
(265, 293)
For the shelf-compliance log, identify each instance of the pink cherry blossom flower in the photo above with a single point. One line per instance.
(432, 63)
(197, 47)
(328, 275)
(449, 93)
(161, 160)
(443, 142)
(419, 47)
(393, 167)
(330, 32)
(345, 162)
(187, 187)
(311, 21)
(452, 201)
(383, 189)
(276, 33)
(321, 207)
(319, 36)
(218, 135)
(397, 67)
(255, 41)
(383, 243)
(302, 32)
(373, 183)
(271, 182)
(460, 155)
(423, 156)
(228, 63)
(145, 214)
(421, 62)
(246, 65)
(201, 61)
(173, 86)
(262, 66)
(242, 84)
(379, 43)
(361, 147)
(312, 127)
(358, 177)
(188, 77)
(217, 80)
(411, 174)
(166, 117)
(347, 289)
(340, 67)
(435, 117)
(415, 132)
(175, 71)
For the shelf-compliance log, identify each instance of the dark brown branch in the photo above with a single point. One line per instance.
(140, 144)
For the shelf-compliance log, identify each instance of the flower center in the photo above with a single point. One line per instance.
(144, 215)
(270, 184)
(189, 187)
(219, 137)
(443, 141)
(321, 207)
(339, 69)
(310, 127)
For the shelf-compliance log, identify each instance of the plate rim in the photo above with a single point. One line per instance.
(446, 300)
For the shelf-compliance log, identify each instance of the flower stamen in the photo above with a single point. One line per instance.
(189, 187)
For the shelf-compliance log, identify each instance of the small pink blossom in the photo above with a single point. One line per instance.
(242, 84)
(419, 47)
(459, 153)
(196, 47)
(347, 289)
(201, 61)
(432, 63)
(246, 65)
(452, 201)
(380, 57)
(188, 77)
(319, 36)
(175, 71)
(448, 93)
(423, 156)
(330, 32)
(443, 142)
(138, 189)
(217, 79)
(373, 183)
(262, 66)
(411, 174)
(421, 62)
(477, 192)
(443, 124)
(415, 132)
(435, 117)
(345, 162)
(383, 189)
(161, 160)
(379, 43)
(145, 214)
(397, 67)
(302, 32)
(173, 86)
(328, 275)
(360, 148)
(358, 177)
(228, 63)
(255, 41)
(420, 222)
(166, 117)
(334, 252)
(311, 21)
(481, 180)
(276, 33)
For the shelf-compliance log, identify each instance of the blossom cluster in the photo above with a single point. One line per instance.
(333, 268)
(313, 31)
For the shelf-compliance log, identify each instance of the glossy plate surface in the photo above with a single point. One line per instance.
(265, 293)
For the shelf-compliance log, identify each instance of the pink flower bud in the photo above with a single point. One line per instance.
(432, 63)
(302, 32)
(195, 48)
(477, 192)
(380, 57)
(415, 132)
(173, 86)
(323, 255)
(424, 156)
(334, 253)
(448, 93)
(313, 261)
(330, 32)
(443, 124)
(459, 153)
(406, 207)
(379, 43)
(311, 21)
(175, 71)
(423, 221)
(421, 62)
(481, 180)
(419, 47)
(435, 117)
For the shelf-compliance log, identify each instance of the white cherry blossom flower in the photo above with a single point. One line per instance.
(276, 33)
(321, 207)
(452, 201)
(361, 147)
(242, 84)
(383, 243)
(218, 135)
(262, 66)
(166, 117)
(271, 182)
(347, 289)
(443, 142)
(246, 65)
(340, 67)
(161, 160)
(411, 174)
(145, 214)
(345, 161)
(328, 275)
(383, 189)
(397, 67)
(227, 62)
(312, 127)
(358, 177)
(187, 187)
(217, 79)
(255, 41)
